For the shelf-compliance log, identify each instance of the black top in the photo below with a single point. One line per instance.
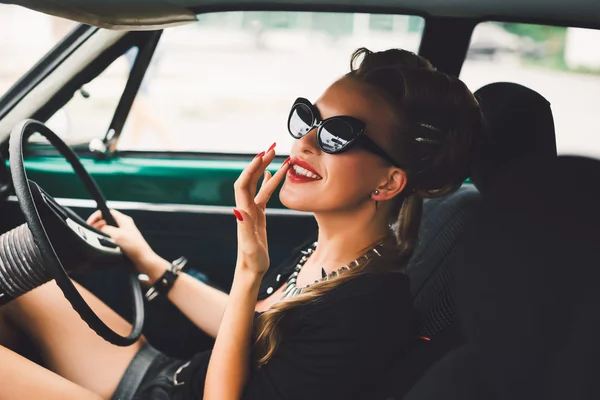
(334, 348)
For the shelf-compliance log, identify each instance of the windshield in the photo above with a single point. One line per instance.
(25, 36)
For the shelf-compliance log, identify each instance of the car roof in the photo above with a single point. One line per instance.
(152, 14)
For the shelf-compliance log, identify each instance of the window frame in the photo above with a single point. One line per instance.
(146, 41)
(44, 67)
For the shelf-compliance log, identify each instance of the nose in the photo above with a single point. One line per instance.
(307, 144)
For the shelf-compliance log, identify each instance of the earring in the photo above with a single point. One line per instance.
(376, 192)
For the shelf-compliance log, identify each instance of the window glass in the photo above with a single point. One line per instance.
(226, 83)
(560, 63)
(89, 112)
(25, 36)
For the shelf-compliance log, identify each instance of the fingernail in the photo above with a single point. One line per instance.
(262, 153)
(287, 160)
(272, 147)
(238, 215)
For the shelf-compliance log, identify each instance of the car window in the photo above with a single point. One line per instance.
(25, 37)
(562, 64)
(225, 84)
(89, 112)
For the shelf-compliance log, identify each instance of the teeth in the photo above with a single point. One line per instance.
(303, 171)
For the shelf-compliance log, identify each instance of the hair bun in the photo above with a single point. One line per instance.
(392, 58)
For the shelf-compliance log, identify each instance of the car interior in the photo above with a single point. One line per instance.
(527, 211)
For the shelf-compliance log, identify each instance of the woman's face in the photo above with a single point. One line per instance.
(345, 181)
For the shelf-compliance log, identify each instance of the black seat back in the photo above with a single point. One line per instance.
(528, 299)
(519, 126)
(514, 114)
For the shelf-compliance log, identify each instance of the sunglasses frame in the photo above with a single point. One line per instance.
(355, 124)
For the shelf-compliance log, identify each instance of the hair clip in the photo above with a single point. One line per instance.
(429, 127)
(428, 140)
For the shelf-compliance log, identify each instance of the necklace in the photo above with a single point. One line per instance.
(292, 290)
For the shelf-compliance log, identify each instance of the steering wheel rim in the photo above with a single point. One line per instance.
(18, 139)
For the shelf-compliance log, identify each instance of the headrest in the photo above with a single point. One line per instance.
(529, 282)
(518, 125)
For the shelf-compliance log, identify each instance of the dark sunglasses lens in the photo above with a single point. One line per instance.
(335, 135)
(300, 121)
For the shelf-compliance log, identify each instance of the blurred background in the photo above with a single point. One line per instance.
(225, 83)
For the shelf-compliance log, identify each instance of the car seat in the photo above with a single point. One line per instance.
(527, 294)
(518, 125)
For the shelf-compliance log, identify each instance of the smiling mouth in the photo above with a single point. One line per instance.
(302, 173)
(298, 170)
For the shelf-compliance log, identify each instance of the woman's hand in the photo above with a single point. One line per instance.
(127, 236)
(253, 251)
(228, 369)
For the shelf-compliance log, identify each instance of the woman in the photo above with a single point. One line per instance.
(380, 139)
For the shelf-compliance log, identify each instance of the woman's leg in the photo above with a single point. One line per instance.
(22, 379)
(8, 333)
(68, 346)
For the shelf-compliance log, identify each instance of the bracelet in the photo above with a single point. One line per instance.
(165, 283)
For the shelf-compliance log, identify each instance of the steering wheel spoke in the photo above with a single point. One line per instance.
(78, 243)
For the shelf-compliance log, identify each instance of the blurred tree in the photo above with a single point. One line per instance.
(539, 33)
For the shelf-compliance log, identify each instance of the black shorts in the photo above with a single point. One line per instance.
(149, 376)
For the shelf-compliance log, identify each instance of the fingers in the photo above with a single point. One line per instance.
(266, 176)
(120, 217)
(110, 230)
(95, 217)
(267, 189)
(99, 224)
(245, 185)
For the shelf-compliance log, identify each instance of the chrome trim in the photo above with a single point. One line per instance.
(177, 382)
(156, 207)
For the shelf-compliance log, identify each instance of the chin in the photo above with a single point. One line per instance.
(298, 200)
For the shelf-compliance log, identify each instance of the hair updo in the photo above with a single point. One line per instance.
(438, 120)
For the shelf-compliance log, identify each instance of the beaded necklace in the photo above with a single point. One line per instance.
(292, 290)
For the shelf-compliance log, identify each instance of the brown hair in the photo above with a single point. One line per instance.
(438, 122)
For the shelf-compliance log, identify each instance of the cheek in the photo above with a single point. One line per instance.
(346, 184)
(349, 179)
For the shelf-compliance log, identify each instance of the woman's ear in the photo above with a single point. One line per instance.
(394, 184)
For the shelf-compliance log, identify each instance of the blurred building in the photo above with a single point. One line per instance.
(581, 48)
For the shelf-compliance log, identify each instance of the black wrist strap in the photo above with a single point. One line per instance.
(164, 284)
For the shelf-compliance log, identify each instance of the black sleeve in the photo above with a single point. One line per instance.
(342, 350)
(339, 351)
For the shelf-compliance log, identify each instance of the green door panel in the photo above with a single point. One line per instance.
(146, 179)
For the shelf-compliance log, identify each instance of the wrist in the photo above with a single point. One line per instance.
(152, 265)
(247, 275)
(251, 268)
(247, 278)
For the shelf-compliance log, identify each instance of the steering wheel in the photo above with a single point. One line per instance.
(63, 239)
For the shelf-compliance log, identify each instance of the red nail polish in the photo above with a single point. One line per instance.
(238, 215)
(287, 160)
(272, 146)
(262, 153)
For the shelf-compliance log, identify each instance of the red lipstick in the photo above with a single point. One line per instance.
(294, 177)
